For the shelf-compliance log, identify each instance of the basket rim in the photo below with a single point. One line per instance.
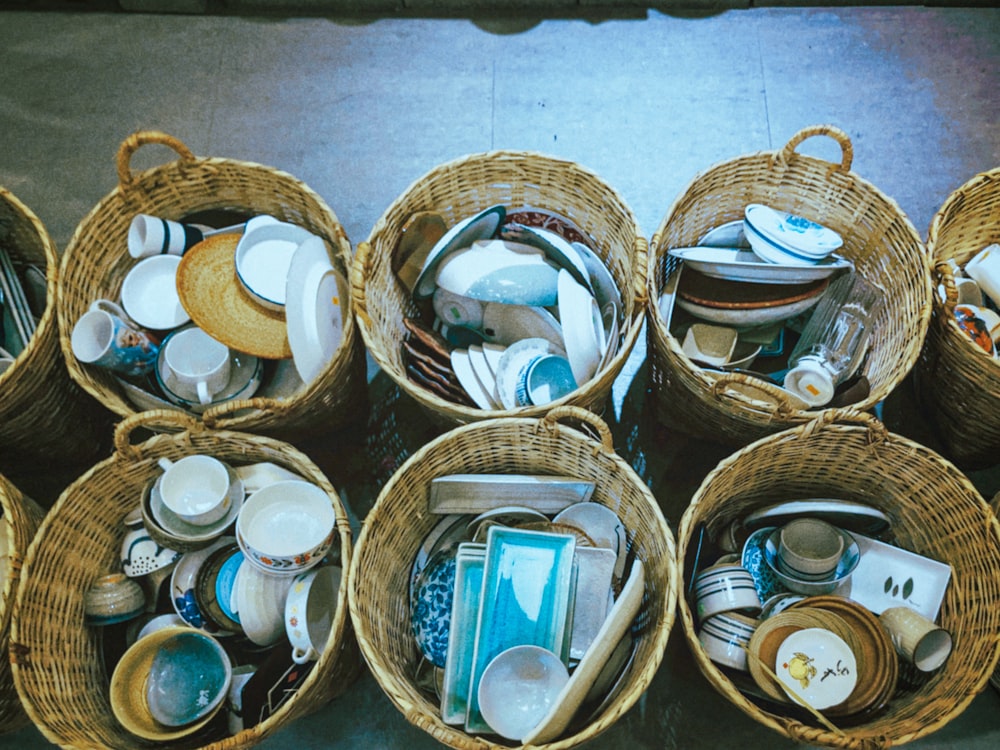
(341, 630)
(662, 626)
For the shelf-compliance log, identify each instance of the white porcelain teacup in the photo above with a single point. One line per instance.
(150, 235)
(196, 488)
(309, 611)
(194, 363)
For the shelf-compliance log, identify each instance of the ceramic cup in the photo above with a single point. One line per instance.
(546, 378)
(113, 598)
(149, 235)
(985, 269)
(918, 640)
(309, 610)
(194, 362)
(723, 588)
(286, 527)
(196, 488)
(105, 336)
(809, 549)
(725, 638)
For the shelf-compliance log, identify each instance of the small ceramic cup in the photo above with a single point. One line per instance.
(195, 363)
(725, 638)
(309, 610)
(196, 488)
(105, 336)
(985, 269)
(286, 527)
(918, 640)
(724, 588)
(149, 235)
(809, 549)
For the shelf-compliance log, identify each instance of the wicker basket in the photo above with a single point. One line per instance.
(42, 412)
(96, 261)
(394, 529)
(23, 518)
(463, 187)
(885, 248)
(57, 660)
(935, 511)
(959, 384)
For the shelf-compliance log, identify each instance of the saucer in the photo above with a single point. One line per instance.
(244, 379)
(316, 296)
(583, 328)
(183, 582)
(513, 366)
(212, 295)
(469, 379)
(150, 293)
(508, 324)
(430, 608)
(816, 666)
(484, 371)
(479, 227)
(177, 526)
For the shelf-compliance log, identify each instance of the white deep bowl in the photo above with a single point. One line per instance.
(518, 687)
(263, 256)
(500, 271)
(287, 526)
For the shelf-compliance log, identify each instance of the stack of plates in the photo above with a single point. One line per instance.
(782, 237)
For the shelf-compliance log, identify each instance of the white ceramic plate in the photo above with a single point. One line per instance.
(149, 293)
(481, 366)
(601, 281)
(316, 294)
(493, 352)
(610, 315)
(843, 513)
(479, 227)
(508, 324)
(799, 234)
(556, 249)
(742, 265)
(513, 366)
(469, 380)
(768, 250)
(260, 601)
(500, 271)
(816, 666)
(583, 328)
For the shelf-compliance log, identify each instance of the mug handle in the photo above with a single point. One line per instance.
(203, 394)
(300, 656)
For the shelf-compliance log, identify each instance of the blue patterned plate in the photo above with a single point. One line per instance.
(430, 608)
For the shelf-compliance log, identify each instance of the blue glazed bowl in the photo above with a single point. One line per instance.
(188, 678)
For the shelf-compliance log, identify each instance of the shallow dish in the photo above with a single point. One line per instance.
(796, 233)
(212, 296)
(768, 250)
(601, 281)
(183, 582)
(556, 249)
(817, 667)
(742, 265)
(505, 325)
(583, 328)
(600, 524)
(479, 227)
(260, 601)
(468, 377)
(706, 291)
(316, 296)
(846, 514)
(149, 293)
(177, 526)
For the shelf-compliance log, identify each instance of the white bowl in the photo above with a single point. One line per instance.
(518, 687)
(286, 527)
(263, 256)
(149, 293)
(500, 271)
(795, 233)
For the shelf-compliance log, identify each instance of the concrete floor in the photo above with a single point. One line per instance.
(360, 107)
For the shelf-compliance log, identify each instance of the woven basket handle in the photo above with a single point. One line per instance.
(947, 279)
(639, 274)
(842, 139)
(131, 144)
(361, 270)
(260, 406)
(876, 430)
(162, 420)
(783, 407)
(584, 416)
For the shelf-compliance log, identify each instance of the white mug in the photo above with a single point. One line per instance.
(106, 336)
(194, 363)
(309, 611)
(985, 269)
(150, 235)
(196, 488)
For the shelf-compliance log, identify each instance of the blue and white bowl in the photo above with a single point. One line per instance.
(752, 558)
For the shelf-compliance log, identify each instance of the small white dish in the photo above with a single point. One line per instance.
(535, 675)
(737, 264)
(513, 365)
(469, 380)
(602, 525)
(508, 324)
(797, 233)
(479, 227)
(769, 251)
(500, 271)
(260, 601)
(556, 249)
(816, 667)
(149, 293)
(316, 295)
(583, 328)
(263, 258)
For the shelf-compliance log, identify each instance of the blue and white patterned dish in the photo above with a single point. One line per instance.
(430, 607)
(752, 558)
(797, 234)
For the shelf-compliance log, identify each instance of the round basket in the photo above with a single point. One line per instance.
(57, 660)
(23, 517)
(461, 188)
(886, 250)
(958, 383)
(96, 260)
(42, 411)
(934, 511)
(396, 526)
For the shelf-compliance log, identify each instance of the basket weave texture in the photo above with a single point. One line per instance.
(958, 383)
(880, 240)
(396, 526)
(57, 660)
(96, 260)
(934, 510)
(463, 187)
(23, 518)
(42, 411)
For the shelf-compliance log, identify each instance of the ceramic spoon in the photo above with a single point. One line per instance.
(616, 624)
